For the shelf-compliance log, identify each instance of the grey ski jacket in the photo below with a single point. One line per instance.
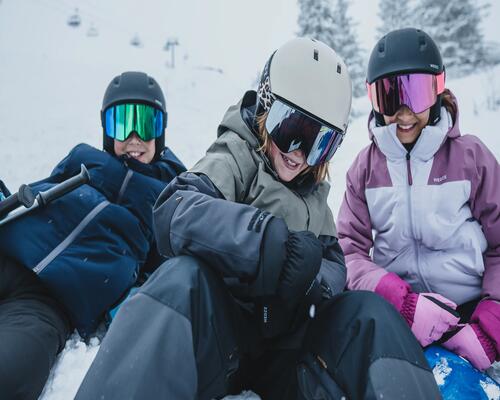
(231, 211)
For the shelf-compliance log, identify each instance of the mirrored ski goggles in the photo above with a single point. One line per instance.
(291, 129)
(416, 91)
(123, 119)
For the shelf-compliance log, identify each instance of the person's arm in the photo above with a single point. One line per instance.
(355, 234)
(235, 239)
(479, 340)
(485, 207)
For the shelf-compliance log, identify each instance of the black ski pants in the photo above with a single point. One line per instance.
(33, 329)
(183, 336)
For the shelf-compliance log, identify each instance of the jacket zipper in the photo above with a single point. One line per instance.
(408, 169)
(412, 224)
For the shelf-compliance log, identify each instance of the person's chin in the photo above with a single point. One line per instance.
(287, 175)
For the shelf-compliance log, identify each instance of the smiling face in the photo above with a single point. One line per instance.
(136, 148)
(409, 124)
(287, 165)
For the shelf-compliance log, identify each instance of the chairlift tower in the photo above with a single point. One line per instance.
(170, 46)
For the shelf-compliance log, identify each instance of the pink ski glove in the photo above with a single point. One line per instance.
(472, 343)
(479, 341)
(429, 315)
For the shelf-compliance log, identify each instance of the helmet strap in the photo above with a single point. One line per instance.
(379, 118)
(435, 111)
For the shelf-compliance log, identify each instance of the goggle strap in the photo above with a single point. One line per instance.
(440, 82)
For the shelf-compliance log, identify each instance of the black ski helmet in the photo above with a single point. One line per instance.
(401, 51)
(136, 87)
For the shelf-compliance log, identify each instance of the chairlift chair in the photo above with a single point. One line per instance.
(135, 41)
(74, 20)
(92, 31)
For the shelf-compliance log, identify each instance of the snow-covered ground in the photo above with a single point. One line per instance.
(52, 78)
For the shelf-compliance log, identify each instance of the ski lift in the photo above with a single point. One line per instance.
(135, 41)
(171, 42)
(74, 20)
(92, 31)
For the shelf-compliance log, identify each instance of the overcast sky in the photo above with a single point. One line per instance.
(237, 35)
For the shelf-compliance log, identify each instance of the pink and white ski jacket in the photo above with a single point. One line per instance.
(431, 216)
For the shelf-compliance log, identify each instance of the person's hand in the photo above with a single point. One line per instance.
(473, 344)
(304, 253)
(297, 286)
(429, 316)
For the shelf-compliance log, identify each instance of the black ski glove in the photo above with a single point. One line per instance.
(304, 253)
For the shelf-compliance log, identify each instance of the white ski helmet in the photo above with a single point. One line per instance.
(309, 75)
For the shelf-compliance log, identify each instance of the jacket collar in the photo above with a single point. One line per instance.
(162, 169)
(427, 144)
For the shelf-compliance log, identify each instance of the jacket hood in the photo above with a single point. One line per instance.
(239, 119)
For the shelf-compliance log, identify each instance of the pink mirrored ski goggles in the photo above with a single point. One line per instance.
(416, 91)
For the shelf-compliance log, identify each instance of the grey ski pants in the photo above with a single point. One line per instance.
(184, 337)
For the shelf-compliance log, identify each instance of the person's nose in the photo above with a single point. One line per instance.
(404, 114)
(298, 154)
(134, 138)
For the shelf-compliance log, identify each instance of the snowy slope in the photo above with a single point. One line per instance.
(53, 77)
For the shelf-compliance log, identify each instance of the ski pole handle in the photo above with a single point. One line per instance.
(24, 197)
(61, 189)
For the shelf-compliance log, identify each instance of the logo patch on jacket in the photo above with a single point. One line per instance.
(440, 179)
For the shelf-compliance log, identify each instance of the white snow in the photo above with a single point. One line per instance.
(52, 79)
(71, 366)
(441, 370)
(492, 391)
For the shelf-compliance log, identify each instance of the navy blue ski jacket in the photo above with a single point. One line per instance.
(90, 245)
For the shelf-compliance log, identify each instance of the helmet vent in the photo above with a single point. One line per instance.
(339, 69)
(421, 42)
(316, 55)
(381, 48)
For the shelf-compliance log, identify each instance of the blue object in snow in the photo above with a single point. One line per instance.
(457, 378)
(113, 311)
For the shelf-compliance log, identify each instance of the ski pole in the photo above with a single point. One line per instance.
(24, 197)
(24, 201)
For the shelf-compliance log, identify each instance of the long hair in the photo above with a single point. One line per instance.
(449, 104)
(320, 172)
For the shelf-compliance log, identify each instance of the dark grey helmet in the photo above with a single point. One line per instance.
(135, 87)
(401, 51)
(404, 51)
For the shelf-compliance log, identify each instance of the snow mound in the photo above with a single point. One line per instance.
(70, 368)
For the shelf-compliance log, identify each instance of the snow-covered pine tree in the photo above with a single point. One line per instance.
(346, 42)
(394, 14)
(319, 19)
(316, 20)
(455, 26)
